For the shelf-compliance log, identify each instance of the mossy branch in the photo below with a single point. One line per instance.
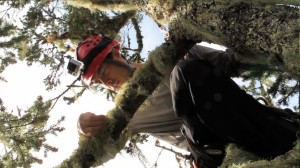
(236, 157)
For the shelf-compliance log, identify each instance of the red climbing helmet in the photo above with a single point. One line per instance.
(92, 52)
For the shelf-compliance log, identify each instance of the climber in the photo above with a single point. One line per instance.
(201, 110)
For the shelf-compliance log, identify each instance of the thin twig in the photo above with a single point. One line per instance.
(171, 150)
(59, 96)
(155, 163)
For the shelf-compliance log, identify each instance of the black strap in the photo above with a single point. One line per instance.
(94, 52)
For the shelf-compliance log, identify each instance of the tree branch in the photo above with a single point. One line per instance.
(64, 92)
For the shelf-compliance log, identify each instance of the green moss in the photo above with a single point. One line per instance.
(235, 155)
(237, 158)
(289, 2)
(162, 58)
(147, 103)
(94, 151)
(138, 88)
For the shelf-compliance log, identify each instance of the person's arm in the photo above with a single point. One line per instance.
(224, 60)
(90, 124)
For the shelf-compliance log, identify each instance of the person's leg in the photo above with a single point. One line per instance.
(207, 149)
(227, 111)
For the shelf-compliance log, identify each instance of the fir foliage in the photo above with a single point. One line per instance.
(51, 30)
(24, 131)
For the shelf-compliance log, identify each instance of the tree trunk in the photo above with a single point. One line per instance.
(257, 31)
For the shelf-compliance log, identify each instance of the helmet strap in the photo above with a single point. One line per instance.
(94, 52)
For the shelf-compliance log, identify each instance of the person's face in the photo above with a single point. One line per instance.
(111, 74)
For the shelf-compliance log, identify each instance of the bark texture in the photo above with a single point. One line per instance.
(257, 31)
